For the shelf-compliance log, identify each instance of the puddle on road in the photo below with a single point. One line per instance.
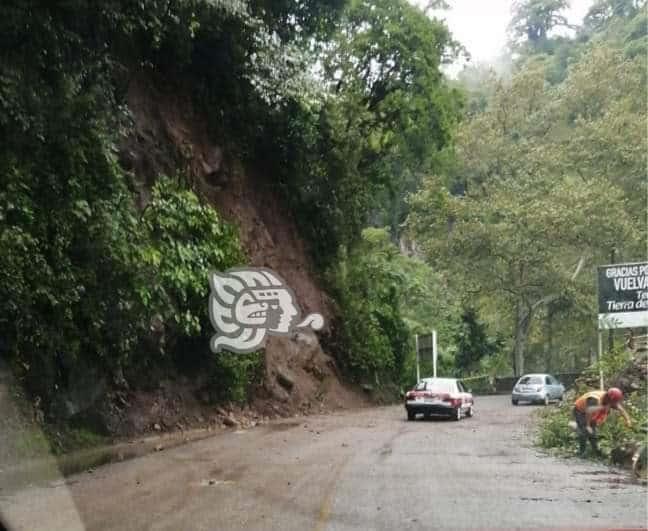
(617, 480)
(524, 498)
(210, 482)
(500, 453)
(282, 426)
(228, 475)
(598, 473)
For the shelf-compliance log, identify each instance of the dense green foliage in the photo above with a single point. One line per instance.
(387, 297)
(503, 185)
(184, 242)
(91, 285)
(555, 433)
(472, 342)
(384, 113)
(548, 181)
(371, 290)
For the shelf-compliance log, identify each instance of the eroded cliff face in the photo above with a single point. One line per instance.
(169, 136)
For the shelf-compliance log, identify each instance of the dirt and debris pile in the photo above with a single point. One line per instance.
(635, 375)
(631, 378)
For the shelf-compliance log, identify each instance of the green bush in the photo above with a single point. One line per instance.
(554, 432)
(368, 285)
(183, 241)
(234, 376)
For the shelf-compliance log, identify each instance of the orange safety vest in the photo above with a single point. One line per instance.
(581, 405)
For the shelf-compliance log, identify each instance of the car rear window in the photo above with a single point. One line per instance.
(531, 380)
(441, 387)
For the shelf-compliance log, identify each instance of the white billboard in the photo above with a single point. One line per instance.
(623, 295)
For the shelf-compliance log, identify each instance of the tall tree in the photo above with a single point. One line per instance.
(472, 341)
(533, 20)
(384, 68)
(525, 224)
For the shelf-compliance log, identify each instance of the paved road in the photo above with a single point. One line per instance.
(362, 470)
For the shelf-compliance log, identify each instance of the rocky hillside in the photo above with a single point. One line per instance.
(299, 376)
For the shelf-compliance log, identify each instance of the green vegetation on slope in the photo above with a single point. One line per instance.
(94, 291)
(616, 440)
(506, 194)
(548, 180)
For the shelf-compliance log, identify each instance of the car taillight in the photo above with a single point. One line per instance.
(454, 402)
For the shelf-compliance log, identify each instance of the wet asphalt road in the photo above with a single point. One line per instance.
(361, 470)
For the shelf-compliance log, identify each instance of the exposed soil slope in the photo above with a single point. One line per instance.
(170, 137)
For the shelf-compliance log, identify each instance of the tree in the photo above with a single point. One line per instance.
(384, 69)
(385, 298)
(472, 341)
(533, 20)
(518, 242)
(603, 12)
(369, 287)
(603, 108)
(525, 220)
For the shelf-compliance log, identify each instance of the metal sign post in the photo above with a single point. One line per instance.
(600, 355)
(418, 368)
(434, 352)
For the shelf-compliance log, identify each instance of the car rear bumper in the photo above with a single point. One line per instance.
(429, 409)
(529, 397)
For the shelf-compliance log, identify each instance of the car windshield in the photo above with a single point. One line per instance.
(531, 380)
(306, 264)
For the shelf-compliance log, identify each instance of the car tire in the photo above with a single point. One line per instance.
(457, 414)
(469, 413)
(411, 415)
(514, 401)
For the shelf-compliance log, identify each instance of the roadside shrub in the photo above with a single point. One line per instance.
(184, 241)
(234, 376)
(554, 431)
(368, 285)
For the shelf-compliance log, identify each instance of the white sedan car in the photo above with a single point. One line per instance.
(439, 396)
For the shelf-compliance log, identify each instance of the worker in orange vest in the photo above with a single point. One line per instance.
(591, 410)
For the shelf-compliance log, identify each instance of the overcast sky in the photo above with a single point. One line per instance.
(481, 25)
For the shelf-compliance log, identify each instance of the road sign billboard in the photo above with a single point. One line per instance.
(623, 295)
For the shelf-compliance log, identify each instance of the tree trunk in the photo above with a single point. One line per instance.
(522, 327)
(548, 344)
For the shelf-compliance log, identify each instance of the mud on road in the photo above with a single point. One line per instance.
(366, 469)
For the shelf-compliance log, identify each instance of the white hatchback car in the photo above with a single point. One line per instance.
(537, 388)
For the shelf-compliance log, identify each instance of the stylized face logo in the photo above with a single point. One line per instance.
(272, 309)
(246, 304)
